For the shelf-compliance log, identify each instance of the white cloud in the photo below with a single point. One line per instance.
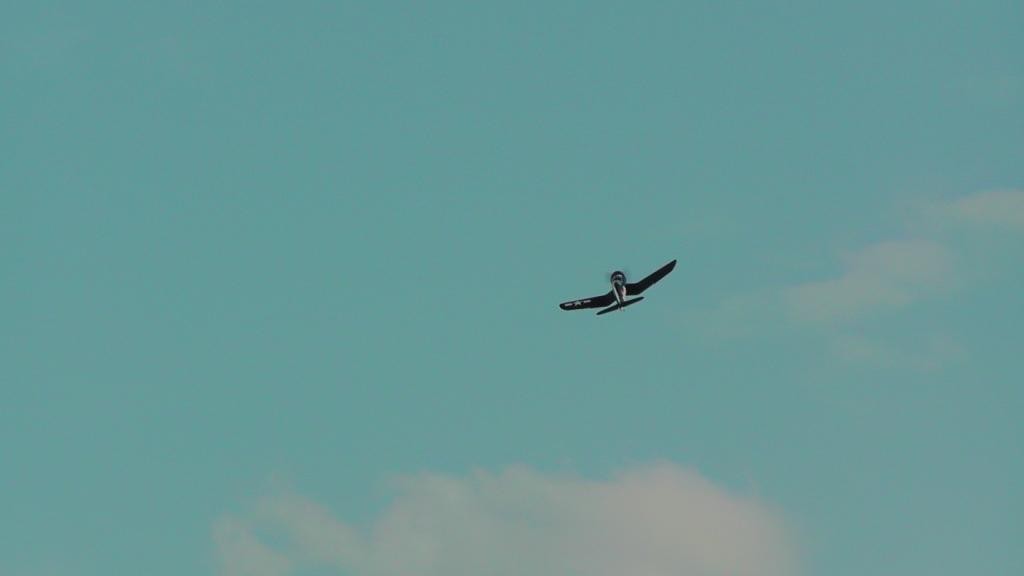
(241, 554)
(657, 520)
(992, 208)
(894, 273)
(888, 274)
(936, 252)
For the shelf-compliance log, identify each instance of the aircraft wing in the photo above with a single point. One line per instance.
(638, 287)
(592, 302)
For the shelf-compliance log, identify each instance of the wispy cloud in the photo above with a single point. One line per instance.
(888, 274)
(652, 520)
(926, 353)
(1001, 208)
(241, 553)
(927, 261)
(893, 273)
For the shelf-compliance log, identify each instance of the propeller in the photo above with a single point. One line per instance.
(608, 276)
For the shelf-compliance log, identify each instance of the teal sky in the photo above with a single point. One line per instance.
(252, 248)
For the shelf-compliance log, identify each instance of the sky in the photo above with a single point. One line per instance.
(279, 287)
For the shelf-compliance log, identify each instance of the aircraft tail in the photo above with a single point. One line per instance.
(619, 306)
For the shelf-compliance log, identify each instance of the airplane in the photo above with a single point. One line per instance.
(620, 288)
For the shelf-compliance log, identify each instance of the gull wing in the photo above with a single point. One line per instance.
(592, 302)
(638, 287)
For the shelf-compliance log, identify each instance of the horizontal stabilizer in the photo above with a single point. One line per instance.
(623, 305)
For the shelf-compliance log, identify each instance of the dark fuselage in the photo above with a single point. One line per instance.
(619, 286)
